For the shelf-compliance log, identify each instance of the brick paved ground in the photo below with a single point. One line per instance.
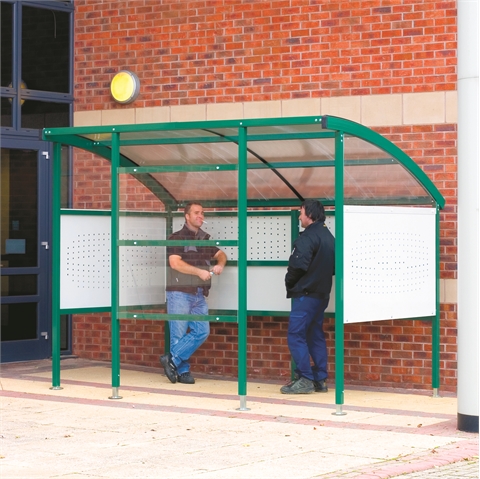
(462, 469)
(176, 431)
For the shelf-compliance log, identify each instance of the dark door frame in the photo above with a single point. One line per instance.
(40, 347)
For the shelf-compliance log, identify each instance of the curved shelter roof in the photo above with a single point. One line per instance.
(287, 160)
(252, 163)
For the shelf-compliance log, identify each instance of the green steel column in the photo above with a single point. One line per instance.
(168, 232)
(114, 265)
(57, 185)
(436, 320)
(339, 312)
(242, 266)
(295, 231)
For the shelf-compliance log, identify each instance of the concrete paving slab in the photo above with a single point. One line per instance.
(176, 431)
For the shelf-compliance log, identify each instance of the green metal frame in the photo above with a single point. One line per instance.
(105, 141)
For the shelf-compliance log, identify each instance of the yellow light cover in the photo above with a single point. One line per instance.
(125, 87)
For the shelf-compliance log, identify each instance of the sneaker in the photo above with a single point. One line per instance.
(169, 367)
(320, 386)
(186, 378)
(298, 386)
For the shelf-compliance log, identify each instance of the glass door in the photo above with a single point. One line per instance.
(25, 253)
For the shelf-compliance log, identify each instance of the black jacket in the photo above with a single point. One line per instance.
(312, 263)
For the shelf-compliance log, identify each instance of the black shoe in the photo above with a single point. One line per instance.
(320, 386)
(186, 378)
(298, 386)
(169, 367)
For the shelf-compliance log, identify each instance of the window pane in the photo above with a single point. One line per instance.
(41, 114)
(19, 285)
(19, 207)
(65, 189)
(19, 321)
(6, 112)
(6, 45)
(64, 332)
(45, 49)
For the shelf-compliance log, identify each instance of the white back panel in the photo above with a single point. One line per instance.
(85, 262)
(268, 236)
(268, 239)
(142, 268)
(265, 289)
(389, 263)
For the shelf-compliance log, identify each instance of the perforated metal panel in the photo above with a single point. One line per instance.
(389, 258)
(389, 263)
(268, 237)
(85, 262)
(142, 268)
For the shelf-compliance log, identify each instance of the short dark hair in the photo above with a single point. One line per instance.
(189, 205)
(314, 210)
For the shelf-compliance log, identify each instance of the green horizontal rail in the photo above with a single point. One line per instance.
(217, 139)
(192, 167)
(177, 242)
(94, 309)
(107, 309)
(179, 317)
(73, 212)
(59, 134)
(179, 168)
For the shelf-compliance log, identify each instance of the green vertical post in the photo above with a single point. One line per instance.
(436, 319)
(295, 231)
(55, 249)
(114, 265)
(168, 232)
(242, 267)
(339, 310)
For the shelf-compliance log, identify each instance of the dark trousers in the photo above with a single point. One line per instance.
(306, 339)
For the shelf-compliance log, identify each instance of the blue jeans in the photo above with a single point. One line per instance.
(306, 339)
(184, 343)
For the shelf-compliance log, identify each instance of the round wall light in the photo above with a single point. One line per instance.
(125, 87)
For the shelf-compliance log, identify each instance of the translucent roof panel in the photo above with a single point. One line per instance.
(291, 183)
(304, 150)
(384, 183)
(183, 154)
(309, 171)
(287, 159)
(372, 174)
(200, 185)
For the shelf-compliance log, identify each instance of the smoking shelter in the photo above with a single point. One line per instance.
(251, 175)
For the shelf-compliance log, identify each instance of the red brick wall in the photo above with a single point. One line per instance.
(381, 354)
(213, 51)
(434, 149)
(230, 51)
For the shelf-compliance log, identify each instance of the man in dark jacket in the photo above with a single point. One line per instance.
(309, 281)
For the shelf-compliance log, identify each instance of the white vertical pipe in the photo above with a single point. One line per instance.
(468, 216)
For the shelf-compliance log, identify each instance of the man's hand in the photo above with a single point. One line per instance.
(221, 259)
(217, 269)
(204, 275)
